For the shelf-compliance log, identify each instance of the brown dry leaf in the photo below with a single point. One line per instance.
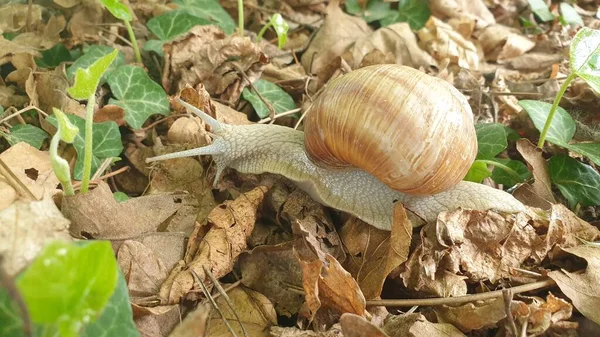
(194, 324)
(45, 36)
(254, 310)
(274, 271)
(334, 331)
(9, 48)
(444, 43)
(327, 286)
(582, 289)
(8, 194)
(357, 326)
(26, 227)
(24, 66)
(156, 321)
(500, 42)
(13, 17)
(473, 316)
(534, 61)
(336, 35)
(144, 270)
(86, 23)
(48, 89)
(416, 325)
(98, 215)
(545, 316)
(396, 42)
(33, 170)
(168, 247)
(9, 98)
(230, 224)
(473, 10)
(374, 253)
(110, 112)
(67, 3)
(205, 55)
(539, 168)
(292, 79)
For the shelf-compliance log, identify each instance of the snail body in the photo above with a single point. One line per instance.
(260, 148)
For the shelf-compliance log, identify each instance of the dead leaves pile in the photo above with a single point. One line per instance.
(267, 255)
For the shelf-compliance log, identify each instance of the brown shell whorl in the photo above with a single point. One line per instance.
(411, 130)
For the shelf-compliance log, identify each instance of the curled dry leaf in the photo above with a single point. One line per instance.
(230, 224)
(110, 112)
(194, 323)
(145, 271)
(357, 326)
(328, 288)
(474, 10)
(45, 36)
(473, 316)
(416, 325)
(156, 321)
(374, 253)
(48, 89)
(444, 43)
(13, 17)
(26, 227)
(551, 314)
(500, 43)
(205, 55)
(582, 288)
(98, 215)
(254, 310)
(86, 23)
(542, 186)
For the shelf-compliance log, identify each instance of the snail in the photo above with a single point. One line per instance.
(373, 136)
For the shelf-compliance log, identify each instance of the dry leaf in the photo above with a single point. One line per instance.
(8, 194)
(416, 325)
(500, 42)
(552, 314)
(374, 253)
(539, 168)
(110, 112)
(145, 271)
(473, 316)
(156, 321)
(357, 326)
(582, 289)
(26, 227)
(230, 225)
(13, 17)
(98, 215)
(474, 10)
(86, 24)
(194, 324)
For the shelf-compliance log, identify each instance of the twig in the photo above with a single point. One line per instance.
(281, 114)
(508, 297)
(25, 109)
(104, 177)
(227, 299)
(212, 301)
(15, 182)
(260, 96)
(461, 299)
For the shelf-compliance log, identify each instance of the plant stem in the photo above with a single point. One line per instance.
(559, 95)
(241, 17)
(136, 49)
(64, 181)
(87, 158)
(263, 31)
(512, 173)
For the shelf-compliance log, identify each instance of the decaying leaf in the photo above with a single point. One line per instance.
(542, 186)
(357, 326)
(473, 316)
(145, 271)
(230, 225)
(416, 325)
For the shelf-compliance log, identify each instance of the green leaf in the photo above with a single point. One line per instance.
(120, 196)
(590, 150)
(281, 28)
(210, 10)
(477, 172)
(173, 24)
(54, 56)
(375, 11)
(585, 56)
(154, 46)
(137, 94)
(563, 126)
(118, 9)
(91, 55)
(491, 140)
(501, 176)
(279, 99)
(29, 134)
(68, 284)
(106, 140)
(117, 318)
(415, 12)
(578, 182)
(570, 15)
(541, 10)
(87, 80)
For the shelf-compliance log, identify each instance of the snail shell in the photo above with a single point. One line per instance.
(412, 131)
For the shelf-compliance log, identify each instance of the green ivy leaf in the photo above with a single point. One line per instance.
(477, 172)
(91, 55)
(500, 176)
(69, 285)
(137, 94)
(491, 140)
(120, 196)
(563, 126)
(590, 150)
(585, 56)
(173, 24)
(375, 11)
(29, 134)
(54, 56)
(541, 10)
(279, 99)
(118, 9)
(415, 12)
(87, 79)
(106, 140)
(154, 46)
(570, 15)
(578, 182)
(210, 10)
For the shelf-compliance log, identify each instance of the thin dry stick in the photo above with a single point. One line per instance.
(15, 182)
(25, 109)
(8, 283)
(461, 299)
(227, 299)
(212, 301)
(260, 96)
(281, 114)
(229, 288)
(508, 297)
(104, 177)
